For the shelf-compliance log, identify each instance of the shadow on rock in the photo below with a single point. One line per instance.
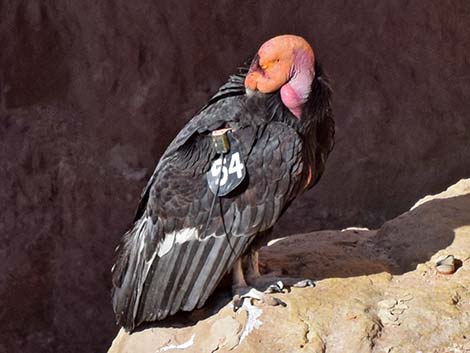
(397, 247)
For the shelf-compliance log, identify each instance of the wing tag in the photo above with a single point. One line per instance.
(228, 170)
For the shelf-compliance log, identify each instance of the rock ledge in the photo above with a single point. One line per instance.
(377, 291)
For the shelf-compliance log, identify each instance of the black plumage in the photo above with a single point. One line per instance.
(184, 239)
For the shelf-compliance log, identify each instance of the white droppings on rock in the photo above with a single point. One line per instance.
(253, 321)
(387, 303)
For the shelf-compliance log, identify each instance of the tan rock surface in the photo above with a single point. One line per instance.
(377, 291)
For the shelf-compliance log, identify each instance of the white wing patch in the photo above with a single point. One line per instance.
(189, 234)
(178, 237)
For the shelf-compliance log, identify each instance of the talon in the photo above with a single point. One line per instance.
(272, 301)
(237, 302)
(279, 302)
(304, 283)
(255, 295)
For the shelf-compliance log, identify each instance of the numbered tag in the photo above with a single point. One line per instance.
(227, 171)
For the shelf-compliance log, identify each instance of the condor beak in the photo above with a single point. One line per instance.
(255, 63)
(252, 77)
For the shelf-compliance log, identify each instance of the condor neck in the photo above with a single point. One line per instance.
(296, 91)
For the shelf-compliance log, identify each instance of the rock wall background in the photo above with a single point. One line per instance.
(92, 92)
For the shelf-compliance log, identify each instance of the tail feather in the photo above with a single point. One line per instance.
(149, 288)
(133, 263)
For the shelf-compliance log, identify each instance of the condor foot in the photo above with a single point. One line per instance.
(253, 295)
(279, 284)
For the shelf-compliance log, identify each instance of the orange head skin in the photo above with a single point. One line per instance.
(277, 61)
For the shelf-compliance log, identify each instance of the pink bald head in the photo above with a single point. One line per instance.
(287, 63)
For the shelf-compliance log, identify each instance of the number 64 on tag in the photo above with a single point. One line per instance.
(226, 173)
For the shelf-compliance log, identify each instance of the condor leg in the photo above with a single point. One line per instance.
(270, 282)
(242, 291)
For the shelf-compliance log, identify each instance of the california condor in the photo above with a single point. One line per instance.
(227, 177)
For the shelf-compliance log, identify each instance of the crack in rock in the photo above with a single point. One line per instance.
(306, 330)
(184, 345)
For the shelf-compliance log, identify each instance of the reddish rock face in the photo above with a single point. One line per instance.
(92, 92)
